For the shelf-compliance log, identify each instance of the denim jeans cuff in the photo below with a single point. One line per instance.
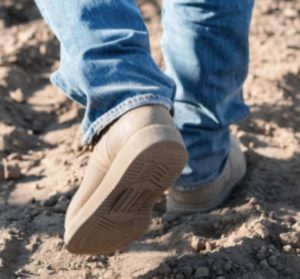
(133, 102)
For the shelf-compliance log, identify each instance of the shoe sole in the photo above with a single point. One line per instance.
(120, 210)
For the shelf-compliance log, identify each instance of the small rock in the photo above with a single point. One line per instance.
(14, 156)
(60, 207)
(49, 267)
(17, 96)
(288, 248)
(290, 13)
(164, 269)
(261, 231)
(272, 260)
(187, 271)
(202, 272)
(210, 245)
(38, 187)
(2, 177)
(51, 201)
(32, 200)
(27, 34)
(228, 266)
(170, 217)
(264, 264)
(91, 259)
(12, 171)
(250, 266)
(272, 250)
(274, 273)
(59, 243)
(290, 220)
(290, 238)
(171, 262)
(261, 254)
(272, 215)
(63, 199)
(109, 274)
(198, 243)
(179, 276)
(288, 271)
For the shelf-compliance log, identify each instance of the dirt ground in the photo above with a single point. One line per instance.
(255, 235)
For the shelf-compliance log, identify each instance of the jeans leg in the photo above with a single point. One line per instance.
(106, 64)
(205, 45)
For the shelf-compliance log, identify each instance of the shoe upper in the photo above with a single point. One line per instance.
(212, 194)
(110, 143)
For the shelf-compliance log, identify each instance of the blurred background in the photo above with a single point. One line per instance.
(255, 235)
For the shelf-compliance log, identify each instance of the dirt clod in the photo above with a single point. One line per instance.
(198, 243)
(12, 171)
(202, 272)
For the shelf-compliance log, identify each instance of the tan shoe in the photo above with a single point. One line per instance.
(140, 156)
(211, 195)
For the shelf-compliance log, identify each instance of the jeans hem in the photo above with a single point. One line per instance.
(104, 120)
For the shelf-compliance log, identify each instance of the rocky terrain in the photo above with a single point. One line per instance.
(254, 235)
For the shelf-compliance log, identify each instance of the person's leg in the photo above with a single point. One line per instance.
(106, 64)
(205, 44)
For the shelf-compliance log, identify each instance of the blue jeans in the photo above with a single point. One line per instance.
(106, 66)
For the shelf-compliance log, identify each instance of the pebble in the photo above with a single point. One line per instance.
(38, 187)
(109, 274)
(210, 245)
(63, 198)
(290, 238)
(1, 263)
(164, 269)
(179, 276)
(51, 201)
(87, 274)
(290, 13)
(274, 273)
(14, 156)
(250, 266)
(202, 272)
(12, 171)
(60, 207)
(172, 262)
(272, 260)
(198, 243)
(170, 217)
(187, 271)
(228, 266)
(1, 172)
(49, 267)
(261, 231)
(261, 254)
(272, 215)
(288, 271)
(264, 264)
(17, 96)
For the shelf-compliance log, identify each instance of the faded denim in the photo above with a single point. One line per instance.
(106, 67)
